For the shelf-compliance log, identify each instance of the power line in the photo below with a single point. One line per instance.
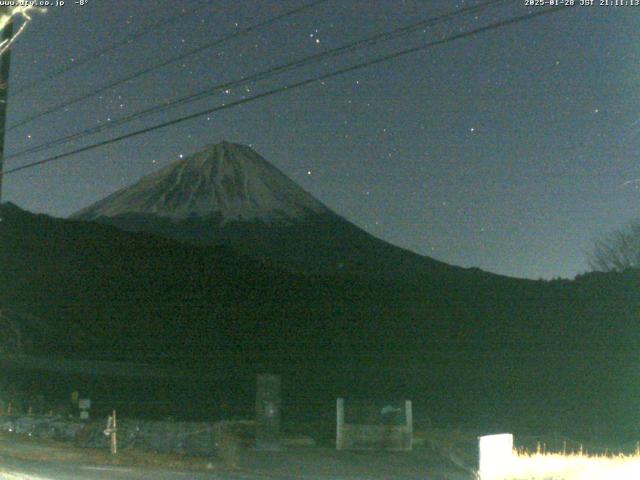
(293, 86)
(90, 57)
(210, 91)
(140, 73)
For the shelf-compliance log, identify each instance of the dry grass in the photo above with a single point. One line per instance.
(458, 448)
(569, 466)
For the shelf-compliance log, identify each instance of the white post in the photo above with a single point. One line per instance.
(340, 424)
(111, 431)
(408, 414)
(114, 433)
(496, 456)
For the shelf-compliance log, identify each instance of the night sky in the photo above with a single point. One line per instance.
(510, 150)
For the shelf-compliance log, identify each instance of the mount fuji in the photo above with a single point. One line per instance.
(225, 183)
(227, 194)
(322, 301)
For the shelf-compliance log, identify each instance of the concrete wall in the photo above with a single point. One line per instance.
(364, 437)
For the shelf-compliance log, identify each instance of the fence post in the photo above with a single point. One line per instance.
(114, 438)
(340, 424)
(408, 413)
(111, 431)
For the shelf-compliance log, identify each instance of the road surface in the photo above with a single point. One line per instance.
(18, 469)
(24, 458)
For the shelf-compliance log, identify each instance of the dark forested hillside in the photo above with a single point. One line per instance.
(464, 346)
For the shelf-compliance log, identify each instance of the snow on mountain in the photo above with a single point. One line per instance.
(227, 194)
(227, 181)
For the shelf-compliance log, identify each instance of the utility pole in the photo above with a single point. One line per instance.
(5, 62)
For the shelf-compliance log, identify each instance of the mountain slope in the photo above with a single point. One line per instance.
(461, 346)
(228, 194)
(349, 315)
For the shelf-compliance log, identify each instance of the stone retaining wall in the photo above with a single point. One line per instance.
(189, 438)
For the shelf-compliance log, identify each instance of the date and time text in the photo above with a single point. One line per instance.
(582, 3)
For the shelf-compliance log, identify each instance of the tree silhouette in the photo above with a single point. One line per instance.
(617, 251)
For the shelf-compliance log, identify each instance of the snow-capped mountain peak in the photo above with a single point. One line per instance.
(227, 181)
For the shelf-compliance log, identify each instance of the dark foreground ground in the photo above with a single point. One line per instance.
(29, 459)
